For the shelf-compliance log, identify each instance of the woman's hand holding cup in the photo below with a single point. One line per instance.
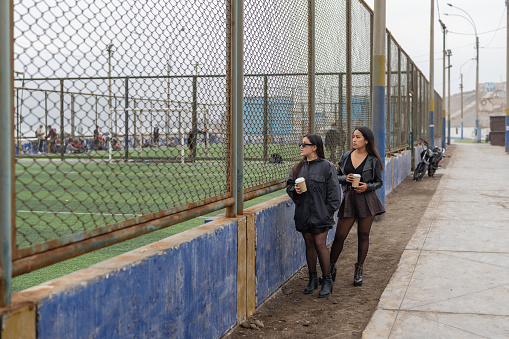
(300, 185)
(350, 178)
(361, 188)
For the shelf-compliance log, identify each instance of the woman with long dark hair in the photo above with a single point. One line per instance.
(315, 207)
(361, 202)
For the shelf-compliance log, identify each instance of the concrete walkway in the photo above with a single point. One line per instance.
(453, 277)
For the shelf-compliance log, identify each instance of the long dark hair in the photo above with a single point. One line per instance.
(316, 140)
(370, 147)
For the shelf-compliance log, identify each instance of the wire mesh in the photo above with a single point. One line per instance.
(122, 112)
(403, 136)
(393, 105)
(361, 65)
(331, 54)
(275, 88)
(122, 108)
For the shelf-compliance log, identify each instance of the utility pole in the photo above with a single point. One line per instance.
(449, 53)
(461, 88)
(432, 76)
(379, 84)
(477, 129)
(506, 80)
(443, 84)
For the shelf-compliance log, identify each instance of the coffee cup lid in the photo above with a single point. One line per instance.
(357, 175)
(301, 179)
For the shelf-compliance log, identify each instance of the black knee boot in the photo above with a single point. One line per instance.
(313, 283)
(326, 286)
(357, 277)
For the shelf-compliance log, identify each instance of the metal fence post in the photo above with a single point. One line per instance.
(379, 84)
(73, 113)
(399, 123)
(388, 91)
(506, 87)
(265, 116)
(239, 106)
(311, 65)
(6, 153)
(340, 112)
(46, 112)
(349, 73)
(448, 100)
(62, 144)
(194, 119)
(432, 77)
(126, 118)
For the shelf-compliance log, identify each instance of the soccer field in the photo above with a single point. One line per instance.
(57, 198)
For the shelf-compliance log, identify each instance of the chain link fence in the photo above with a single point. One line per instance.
(122, 109)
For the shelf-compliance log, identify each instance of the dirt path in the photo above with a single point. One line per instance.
(289, 313)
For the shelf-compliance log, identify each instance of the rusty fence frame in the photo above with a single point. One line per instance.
(14, 261)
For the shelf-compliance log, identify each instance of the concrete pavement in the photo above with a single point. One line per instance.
(453, 277)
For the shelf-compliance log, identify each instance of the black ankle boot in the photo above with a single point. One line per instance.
(313, 283)
(357, 277)
(332, 271)
(326, 286)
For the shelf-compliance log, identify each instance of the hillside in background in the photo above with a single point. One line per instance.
(490, 104)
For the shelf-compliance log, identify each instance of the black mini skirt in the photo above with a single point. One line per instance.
(360, 205)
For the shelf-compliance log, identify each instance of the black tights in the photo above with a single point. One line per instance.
(316, 245)
(344, 227)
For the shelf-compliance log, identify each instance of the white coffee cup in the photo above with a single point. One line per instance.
(301, 183)
(356, 180)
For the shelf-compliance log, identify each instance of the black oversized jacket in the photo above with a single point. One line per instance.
(316, 206)
(371, 173)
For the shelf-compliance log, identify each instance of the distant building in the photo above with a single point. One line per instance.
(492, 87)
(489, 87)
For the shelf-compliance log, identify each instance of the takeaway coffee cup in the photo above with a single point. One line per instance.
(301, 182)
(356, 180)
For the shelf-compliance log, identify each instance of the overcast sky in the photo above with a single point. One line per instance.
(409, 22)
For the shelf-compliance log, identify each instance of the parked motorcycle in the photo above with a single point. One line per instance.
(430, 159)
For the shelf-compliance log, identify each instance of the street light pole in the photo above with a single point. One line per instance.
(432, 76)
(461, 88)
(506, 80)
(449, 53)
(477, 130)
(443, 84)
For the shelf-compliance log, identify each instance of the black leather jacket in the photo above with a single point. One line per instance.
(316, 207)
(371, 174)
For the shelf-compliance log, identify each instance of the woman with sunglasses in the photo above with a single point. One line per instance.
(314, 208)
(359, 203)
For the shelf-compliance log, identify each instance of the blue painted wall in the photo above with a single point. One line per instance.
(397, 170)
(187, 291)
(388, 176)
(407, 163)
(280, 249)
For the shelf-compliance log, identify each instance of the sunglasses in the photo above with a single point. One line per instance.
(302, 144)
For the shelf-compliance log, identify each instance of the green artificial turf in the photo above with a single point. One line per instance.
(59, 198)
